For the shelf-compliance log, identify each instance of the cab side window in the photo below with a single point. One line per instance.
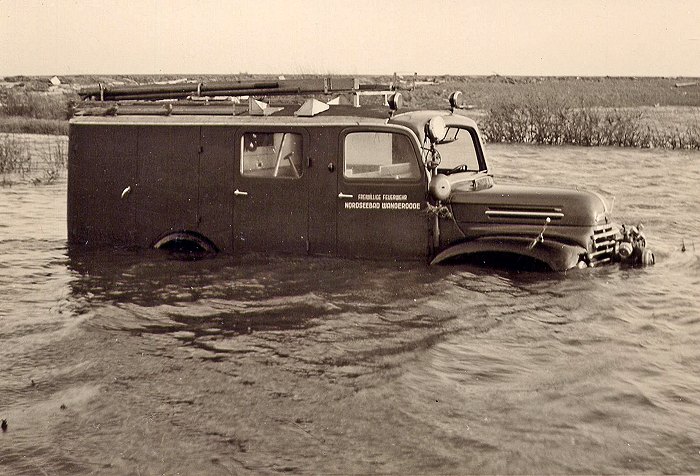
(271, 155)
(379, 155)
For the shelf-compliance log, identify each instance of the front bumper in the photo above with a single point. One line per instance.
(625, 244)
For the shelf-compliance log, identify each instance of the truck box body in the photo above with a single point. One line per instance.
(133, 180)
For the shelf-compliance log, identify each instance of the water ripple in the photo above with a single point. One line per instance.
(268, 364)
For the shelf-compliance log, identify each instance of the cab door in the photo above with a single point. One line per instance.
(381, 196)
(270, 190)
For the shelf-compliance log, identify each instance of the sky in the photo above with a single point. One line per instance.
(470, 37)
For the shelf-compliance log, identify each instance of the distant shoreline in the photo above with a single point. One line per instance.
(656, 111)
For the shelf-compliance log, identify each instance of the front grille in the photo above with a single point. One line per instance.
(603, 245)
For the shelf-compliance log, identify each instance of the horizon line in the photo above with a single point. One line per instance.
(400, 74)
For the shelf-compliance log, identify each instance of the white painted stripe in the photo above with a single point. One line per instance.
(523, 214)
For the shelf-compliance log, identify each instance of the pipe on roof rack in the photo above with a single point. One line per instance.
(228, 88)
(138, 89)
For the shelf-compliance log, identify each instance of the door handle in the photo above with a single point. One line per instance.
(344, 195)
(239, 193)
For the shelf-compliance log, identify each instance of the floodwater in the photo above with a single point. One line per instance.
(118, 363)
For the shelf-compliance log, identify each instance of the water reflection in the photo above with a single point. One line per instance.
(207, 303)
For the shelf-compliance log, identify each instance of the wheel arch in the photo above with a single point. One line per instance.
(185, 240)
(556, 255)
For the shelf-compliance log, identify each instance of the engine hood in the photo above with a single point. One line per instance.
(515, 204)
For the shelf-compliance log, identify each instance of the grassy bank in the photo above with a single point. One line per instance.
(620, 111)
(26, 125)
(620, 92)
(35, 112)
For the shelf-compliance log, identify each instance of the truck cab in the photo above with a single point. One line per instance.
(476, 217)
(320, 179)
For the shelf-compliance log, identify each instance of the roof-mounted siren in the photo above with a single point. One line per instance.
(311, 107)
(395, 101)
(259, 108)
(456, 100)
(340, 100)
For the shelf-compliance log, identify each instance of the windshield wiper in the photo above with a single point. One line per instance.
(454, 170)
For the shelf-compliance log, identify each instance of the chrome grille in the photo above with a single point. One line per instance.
(603, 245)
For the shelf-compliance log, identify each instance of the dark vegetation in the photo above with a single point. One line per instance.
(14, 156)
(552, 123)
(619, 111)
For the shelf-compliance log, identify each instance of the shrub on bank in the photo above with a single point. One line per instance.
(37, 160)
(555, 123)
(14, 156)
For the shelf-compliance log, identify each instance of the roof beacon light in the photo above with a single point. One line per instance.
(395, 101)
(456, 100)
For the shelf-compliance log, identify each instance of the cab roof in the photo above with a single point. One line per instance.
(416, 120)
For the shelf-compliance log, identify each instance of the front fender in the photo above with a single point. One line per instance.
(558, 256)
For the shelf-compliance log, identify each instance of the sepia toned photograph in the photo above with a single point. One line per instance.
(350, 238)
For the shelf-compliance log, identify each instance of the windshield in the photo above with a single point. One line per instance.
(458, 152)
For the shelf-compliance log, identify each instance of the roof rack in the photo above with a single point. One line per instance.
(222, 97)
(280, 87)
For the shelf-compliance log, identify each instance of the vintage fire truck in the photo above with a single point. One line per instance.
(174, 167)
